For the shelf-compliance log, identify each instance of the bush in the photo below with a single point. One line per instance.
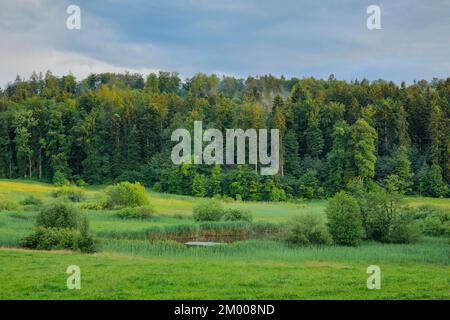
(50, 238)
(403, 228)
(98, 205)
(73, 194)
(7, 205)
(81, 183)
(209, 210)
(31, 201)
(434, 221)
(237, 215)
(58, 215)
(85, 241)
(377, 211)
(308, 229)
(277, 194)
(157, 187)
(344, 219)
(136, 213)
(126, 194)
(59, 178)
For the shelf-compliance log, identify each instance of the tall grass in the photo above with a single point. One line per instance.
(431, 250)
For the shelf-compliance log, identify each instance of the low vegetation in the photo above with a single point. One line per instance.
(127, 194)
(308, 229)
(60, 226)
(71, 193)
(136, 213)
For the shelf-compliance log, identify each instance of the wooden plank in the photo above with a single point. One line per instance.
(202, 244)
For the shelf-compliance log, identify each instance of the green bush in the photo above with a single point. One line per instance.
(31, 201)
(403, 228)
(209, 210)
(85, 240)
(308, 229)
(237, 215)
(50, 238)
(157, 187)
(136, 213)
(7, 205)
(98, 205)
(377, 211)
(126, 194)
(277, 194)
(59, 178)
(344, 219)
(434, 221)
(73, 194)
(81, 183)
(58, 215)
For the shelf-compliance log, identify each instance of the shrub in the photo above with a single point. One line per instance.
(136, 213)
(73, 194)
(59, 178)
(98, 205)
(157, 187)
(209, 210)
(344, 219)
(126, 194)
(81, 183)
(7, 205)
(277, 194)
(403, 228)
(237, 215)
(376, 211)
(434, 221)
(50, 238)
(31, 201)
(308, 229)
(84, 240)
(58, 215)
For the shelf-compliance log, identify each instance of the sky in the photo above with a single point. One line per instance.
(294, 38)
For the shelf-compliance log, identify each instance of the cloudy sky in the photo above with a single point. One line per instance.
(227, 37)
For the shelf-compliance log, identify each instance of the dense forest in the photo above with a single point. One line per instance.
(116, 127)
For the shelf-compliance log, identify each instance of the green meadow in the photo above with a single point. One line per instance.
(129, 266)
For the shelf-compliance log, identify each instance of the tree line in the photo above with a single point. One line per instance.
(334, 134)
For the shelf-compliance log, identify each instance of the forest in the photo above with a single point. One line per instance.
(109, 128)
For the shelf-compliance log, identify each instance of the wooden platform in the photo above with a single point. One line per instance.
(202, 244)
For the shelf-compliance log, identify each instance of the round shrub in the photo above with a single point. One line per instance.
(237, 215)
(58, 215)
(136, 213)
(126, 194)
(209, 210)
(344, 219)
(73, 194)
(403, 228)
(308, 229)
(31, 201)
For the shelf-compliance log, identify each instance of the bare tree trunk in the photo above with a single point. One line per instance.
(40, 163)
(29, 164)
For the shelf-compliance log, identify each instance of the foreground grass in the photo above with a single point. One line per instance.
(41, 275)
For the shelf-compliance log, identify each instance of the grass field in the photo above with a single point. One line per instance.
(252, 269)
